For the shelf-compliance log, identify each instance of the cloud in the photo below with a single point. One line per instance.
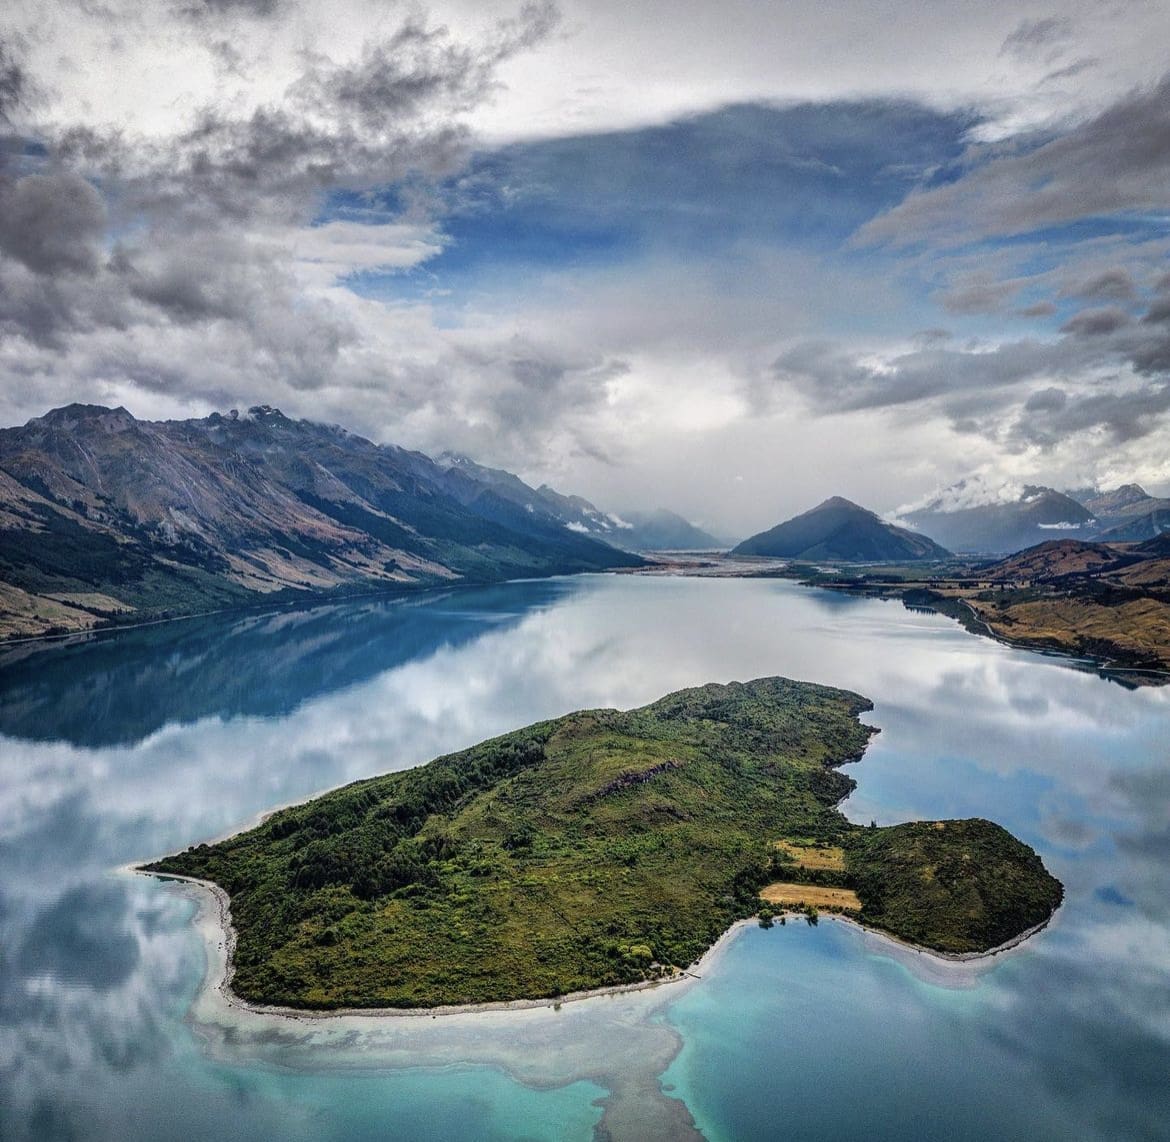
(979, 294)
(1113, 284)
(52, 223)
(1113, 374)
(1095, 322)
(970, 492)
(259, 9)
(1033, 34)
(1117, 162)
(196, 272)
(13, 83)
(82, 938)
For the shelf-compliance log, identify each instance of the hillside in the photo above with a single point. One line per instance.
(1055, 558)
(1107, 602)
(600, 848)
(840, 530)
(107, 518)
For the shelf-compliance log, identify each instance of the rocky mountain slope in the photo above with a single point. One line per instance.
(104, 518)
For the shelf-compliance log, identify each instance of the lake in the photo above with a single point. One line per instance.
(127, 746)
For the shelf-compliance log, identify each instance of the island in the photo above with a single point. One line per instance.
(601, 849)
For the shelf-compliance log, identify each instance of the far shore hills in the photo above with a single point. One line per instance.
(601, 850)
(107, 521)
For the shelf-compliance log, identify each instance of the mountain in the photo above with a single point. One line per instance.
(1136, 529)
(474, 484)
(839, 529)
(659, 530)
(1127, 500)
(1128, 514)
(104, 516)
(662, 530)
(1037, 514)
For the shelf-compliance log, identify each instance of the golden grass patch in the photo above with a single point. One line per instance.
(814, 856)
(815, 894)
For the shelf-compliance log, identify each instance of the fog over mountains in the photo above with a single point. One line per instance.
(957, 519)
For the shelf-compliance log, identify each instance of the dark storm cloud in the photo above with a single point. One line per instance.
(1124, 415)
(1046, 400)
(419, 66)
(198, 244)
(526, 387)
(1072, 70)
(257, 8)
(837, 381)
(1115, 163)
(52, 223)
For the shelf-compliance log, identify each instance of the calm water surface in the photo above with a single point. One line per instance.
(126, 747)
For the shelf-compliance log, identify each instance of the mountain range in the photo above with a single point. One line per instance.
(658, 530)
(105, 517)
(1128, 514)
(839, 529)
(108, 519)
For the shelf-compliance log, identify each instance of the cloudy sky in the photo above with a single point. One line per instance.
(727, 258)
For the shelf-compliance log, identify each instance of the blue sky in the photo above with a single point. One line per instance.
(710, 188)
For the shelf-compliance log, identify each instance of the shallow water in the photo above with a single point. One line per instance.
(125, 747)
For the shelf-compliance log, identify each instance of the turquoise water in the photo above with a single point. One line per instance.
(124, 747)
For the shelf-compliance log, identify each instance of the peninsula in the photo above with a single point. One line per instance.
(595, 850)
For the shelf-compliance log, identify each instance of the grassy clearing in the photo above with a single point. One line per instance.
(809, 856)
(798, 895)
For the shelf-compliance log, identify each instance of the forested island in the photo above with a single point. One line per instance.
(598, 849)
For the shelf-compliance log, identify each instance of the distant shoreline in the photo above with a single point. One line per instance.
(1121, 665)
(215, 904)
(715, 565)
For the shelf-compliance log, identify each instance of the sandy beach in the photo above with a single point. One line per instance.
(215, 923)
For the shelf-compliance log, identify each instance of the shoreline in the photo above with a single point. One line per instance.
(1112, 667)
(214, 918)
(405, 592)
(1116, 666)
(214, 903)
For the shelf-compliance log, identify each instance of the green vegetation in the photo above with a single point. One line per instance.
(601, 848)
(956, 886)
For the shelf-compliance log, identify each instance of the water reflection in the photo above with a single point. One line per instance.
(115, 689)
(123, 748)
